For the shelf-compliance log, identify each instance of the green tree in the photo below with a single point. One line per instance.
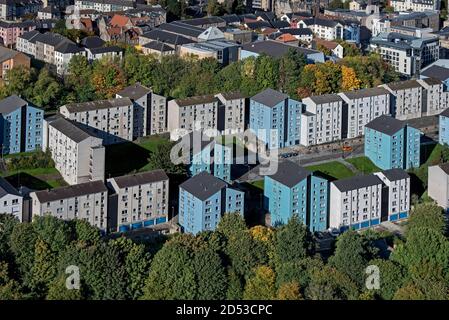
(392, 277)
(47, 91)
(427, 215)
(293, 242)
(351, 256)
(160, 159)
(137, 263)
(58, 291)
(210, 275)
(23, 241)
(44, 268)
(261, 286)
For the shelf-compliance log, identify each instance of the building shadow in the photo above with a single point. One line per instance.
(23, 179)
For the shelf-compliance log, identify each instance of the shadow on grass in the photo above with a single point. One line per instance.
(24, 179)
(124, 158)
(426, 151)
(323, 175)
(254, 198)
(416, 185)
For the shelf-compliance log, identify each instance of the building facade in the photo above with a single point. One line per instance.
(78, 156)
(275, 119)
(438, 184)
(443, 127)
(203, 199)
(150, 110)
(362, 106)
(293, 190)
(391, 143)
(21, 125)
(88, 201)
(406, 99)
(10, 199)
(323, 118)
(231, 112)
(141, 200)
(112, 120)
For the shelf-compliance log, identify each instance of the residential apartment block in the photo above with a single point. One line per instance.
(397, 198)
(78, 155)
(141, 200)
(194, 113)
(111, 120)
(105, 5)
(88, 201)
(443, 127)
(415, 5)
(363, 201)
(21, 126)
(407, 54)
(391, 143)
(293, 190)
(203, 199)
(10, 30)
(231, 112)
(435, 98)
(275, 118)
(355, 202)
(214, 157)
(150, 110)
(406, 99)
(52, 48)
(321, 121)
(10, 199)
(330, 30)
(360, 107)
(438, 184)
(10, 59)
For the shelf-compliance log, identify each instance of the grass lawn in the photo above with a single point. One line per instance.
(333, 169)
(259, 184)
(363, 164)
(36, 179)
(124, 158)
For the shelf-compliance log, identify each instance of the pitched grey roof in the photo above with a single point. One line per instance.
(297, 31)
(6, 54)
(92, 42)
(203, 185)
(178, 27)
(326, 98)
(68, 47)
(158, 46)
(134, 92)
(445, 167)
(233, 95)
(402, 85)
(7, 188)
(106, 49)
(11, 103)
(196, 100)
(75, 190)
(363, 93)
(290, 173)
(68, 128)
(166, 37)
(269, 97)
(445, 113)
(395, 174)
(357, 182)
(274, 48)
(432, 81)
(203, 21)
(386, 124)
(436, 72)
(140, 178)
(98, 104)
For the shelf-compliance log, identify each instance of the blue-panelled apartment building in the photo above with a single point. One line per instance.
(391, 143)
(271, 109)
(20, 125)
(214, 158)
(294, 190)
(203, 199)
(444, 127)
